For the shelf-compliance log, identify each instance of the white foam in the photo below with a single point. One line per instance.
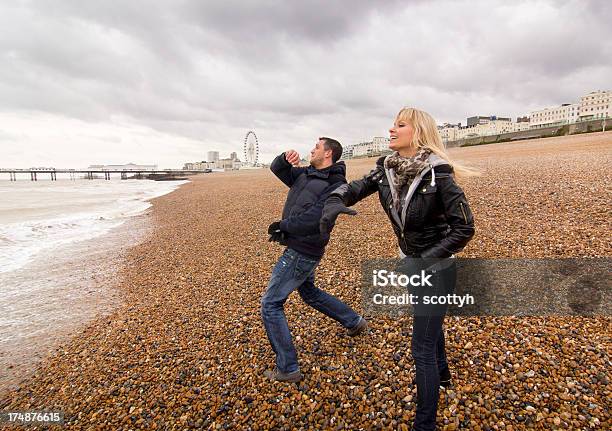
(101, 206)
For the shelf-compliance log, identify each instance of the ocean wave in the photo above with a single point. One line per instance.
(20, 242)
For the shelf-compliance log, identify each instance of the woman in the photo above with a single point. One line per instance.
(431, 219)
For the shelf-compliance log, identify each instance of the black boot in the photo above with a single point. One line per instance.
(445, 378)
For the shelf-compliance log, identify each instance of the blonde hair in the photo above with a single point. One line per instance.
(426, 135)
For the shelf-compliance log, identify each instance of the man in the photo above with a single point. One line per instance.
(309, 187)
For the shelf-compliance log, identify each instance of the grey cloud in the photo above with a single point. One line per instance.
(210, 70)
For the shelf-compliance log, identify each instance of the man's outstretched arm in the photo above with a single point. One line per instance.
(285, 167)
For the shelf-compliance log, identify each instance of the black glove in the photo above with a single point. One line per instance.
(276, 234)
(376, 175)
(334, 206)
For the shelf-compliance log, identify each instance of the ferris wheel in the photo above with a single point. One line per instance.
(251, 148)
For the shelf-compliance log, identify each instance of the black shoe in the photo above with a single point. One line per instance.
(277, 376)
(359, 328)
(445, 379)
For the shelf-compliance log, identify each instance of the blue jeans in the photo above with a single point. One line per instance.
(296, 271)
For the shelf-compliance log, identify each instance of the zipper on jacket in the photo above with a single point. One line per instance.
(463, 212)
(404, 241)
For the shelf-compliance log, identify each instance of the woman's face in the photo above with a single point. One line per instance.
(401, 135)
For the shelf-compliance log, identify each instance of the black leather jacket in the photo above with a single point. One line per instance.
(436, 223)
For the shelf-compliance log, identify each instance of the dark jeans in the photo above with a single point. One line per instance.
(428, 349)
(296, 271)
(429, 357)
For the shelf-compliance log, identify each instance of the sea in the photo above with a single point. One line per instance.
(61, 243)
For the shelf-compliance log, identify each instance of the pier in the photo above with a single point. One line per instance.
(162, 174)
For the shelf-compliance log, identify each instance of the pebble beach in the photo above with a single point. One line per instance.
(185, 347)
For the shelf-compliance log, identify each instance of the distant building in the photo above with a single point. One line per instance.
(380, 144)
(212, 156)
(448, 131)
(592, 106)
(347, 152)
(485, 126)
(215, 162)
(521, 125)
(479, 119)
(596, 105)
(229, 164)
(566, 113)
(129, 166)
(361, 149)
(196, 166)
(377, 146)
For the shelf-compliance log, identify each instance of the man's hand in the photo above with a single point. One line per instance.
(276, 234)
(334, 206)
(292, 157)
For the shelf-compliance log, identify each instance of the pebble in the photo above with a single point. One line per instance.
(188, 349)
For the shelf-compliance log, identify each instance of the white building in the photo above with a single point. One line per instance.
(361, 149)
(564, 114)
(212, 156)
(231, 163)
(596, 105)
(196, 166)
(519, 126)
(467, 132)
(128, 166)
(347, 152)
(228, 164)
(375, 147)
(490, 127)
(483, 119)
(592, 106)
(448, 132)
(380, 144)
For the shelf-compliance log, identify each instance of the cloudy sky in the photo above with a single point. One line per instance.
(162, 82)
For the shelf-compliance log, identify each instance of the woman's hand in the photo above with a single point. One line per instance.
(334, 206)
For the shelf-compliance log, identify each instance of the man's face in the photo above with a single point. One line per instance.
(317, 154)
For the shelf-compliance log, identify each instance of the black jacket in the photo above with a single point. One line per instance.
(308, 190)
(437, 221)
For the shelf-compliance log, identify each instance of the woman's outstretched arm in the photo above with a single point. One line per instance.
(347, 195)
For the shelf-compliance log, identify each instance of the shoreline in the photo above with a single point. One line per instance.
(81, 287)
(187, 347)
